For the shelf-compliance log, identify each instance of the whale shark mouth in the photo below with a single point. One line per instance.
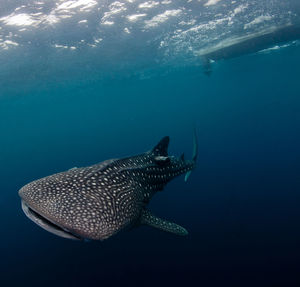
(47, 224)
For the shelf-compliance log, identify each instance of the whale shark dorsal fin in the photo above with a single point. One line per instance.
(147, 218)
(182, 157)
(162, 147)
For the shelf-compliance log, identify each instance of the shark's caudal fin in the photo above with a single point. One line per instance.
(161, 149)
(195, 154)
(149, 219)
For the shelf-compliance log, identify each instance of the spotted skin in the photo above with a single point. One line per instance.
(96, 202)
(148, 218)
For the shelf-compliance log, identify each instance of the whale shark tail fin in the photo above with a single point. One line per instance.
(195, 146)
(195, 154)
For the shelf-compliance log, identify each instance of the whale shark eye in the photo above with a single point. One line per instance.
(162, 160)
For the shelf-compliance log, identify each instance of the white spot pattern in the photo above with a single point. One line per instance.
(96, 202)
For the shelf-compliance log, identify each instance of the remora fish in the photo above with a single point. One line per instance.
(98, 201)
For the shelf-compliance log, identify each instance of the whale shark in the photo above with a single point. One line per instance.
(98, 201)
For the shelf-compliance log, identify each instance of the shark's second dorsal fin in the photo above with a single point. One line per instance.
(162, 147)
(149, 219)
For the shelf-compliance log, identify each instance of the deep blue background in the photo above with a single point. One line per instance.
(241, 205)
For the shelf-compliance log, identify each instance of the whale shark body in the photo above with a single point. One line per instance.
(98, 201)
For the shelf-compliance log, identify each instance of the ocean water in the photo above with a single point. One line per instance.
(77, 95)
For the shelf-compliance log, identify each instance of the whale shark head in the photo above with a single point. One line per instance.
(97, 201)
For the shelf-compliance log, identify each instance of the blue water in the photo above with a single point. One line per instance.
(240, 206)
(59, 109)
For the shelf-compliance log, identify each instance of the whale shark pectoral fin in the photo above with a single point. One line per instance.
(149, 219)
